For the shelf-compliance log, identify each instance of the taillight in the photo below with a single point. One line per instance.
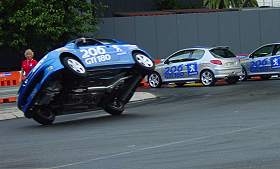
(216, 62)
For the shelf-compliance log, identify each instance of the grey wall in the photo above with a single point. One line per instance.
(243, 31)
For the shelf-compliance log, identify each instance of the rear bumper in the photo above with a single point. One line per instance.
(224, 73)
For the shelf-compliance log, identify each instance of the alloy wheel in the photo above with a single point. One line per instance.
(76, 66)
(144, 60)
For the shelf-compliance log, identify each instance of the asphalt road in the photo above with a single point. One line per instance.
(221, 127)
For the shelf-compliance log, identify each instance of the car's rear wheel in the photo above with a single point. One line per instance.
(243, 77)
(43, 115)
(232, 80)
(207, 78)
(154, 80)
(114, 108)
(143, 62)
(73, 66)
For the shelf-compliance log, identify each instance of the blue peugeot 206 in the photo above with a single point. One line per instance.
(85, 74)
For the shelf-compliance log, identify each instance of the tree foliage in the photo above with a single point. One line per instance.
(167, 4)
(220, 4)
(43, 24)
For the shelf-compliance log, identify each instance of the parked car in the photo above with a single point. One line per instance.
(264, 62)
(85, 74)
(197, 64)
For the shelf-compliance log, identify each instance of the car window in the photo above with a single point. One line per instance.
(264, 51)
(222, 53)
(197, 54)
(87, 42)
(277, 50)
(107, 41)
(181, 56)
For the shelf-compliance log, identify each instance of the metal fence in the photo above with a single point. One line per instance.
(243, 30)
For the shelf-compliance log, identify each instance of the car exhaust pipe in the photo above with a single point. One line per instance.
(110, 87)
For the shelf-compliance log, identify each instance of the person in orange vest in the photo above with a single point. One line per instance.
(28, 63)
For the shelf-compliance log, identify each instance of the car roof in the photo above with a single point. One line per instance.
(104, 41)
(204, 48)
(274, 43)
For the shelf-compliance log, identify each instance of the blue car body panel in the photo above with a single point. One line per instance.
(93, 57)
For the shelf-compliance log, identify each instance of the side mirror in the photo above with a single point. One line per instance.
(167, 62)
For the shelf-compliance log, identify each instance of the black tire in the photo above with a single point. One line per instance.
(180, 84)
(245, 76)
(143, 63)
(154, 80)
(232, 80)
(114, 108)
(69, 64)
(203, 78)
(265, 77)
(43, 115)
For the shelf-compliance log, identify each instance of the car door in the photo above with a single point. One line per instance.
(192, 64)
(174, 68)
(260, 61)
(275, 60)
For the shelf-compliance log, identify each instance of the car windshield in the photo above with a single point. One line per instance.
(222, 53)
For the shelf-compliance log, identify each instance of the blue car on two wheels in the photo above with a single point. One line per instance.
(85, 74)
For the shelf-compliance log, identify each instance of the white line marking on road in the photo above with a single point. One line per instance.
(162, 145)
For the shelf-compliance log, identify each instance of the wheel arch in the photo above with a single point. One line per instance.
(139, 51)
(205, 69)
(68, 54)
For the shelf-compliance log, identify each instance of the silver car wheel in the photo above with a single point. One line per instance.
(207, 78)
(243, 76)
(144, 60)
(76, 66)
(154, 80)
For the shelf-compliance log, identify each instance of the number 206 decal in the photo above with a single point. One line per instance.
(95, 55)
(178, 71)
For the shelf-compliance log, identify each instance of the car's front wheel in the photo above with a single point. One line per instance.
(154, 80)
(207, 78)
(73, 66)
(143, 62)
(243, 77)
(43, 115)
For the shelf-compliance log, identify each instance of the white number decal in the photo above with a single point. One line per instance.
(95, 55)
(98, 59)
(92, 52)
(86, 53)
(99, 50)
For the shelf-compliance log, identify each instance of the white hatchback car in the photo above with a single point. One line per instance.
(197, 64)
